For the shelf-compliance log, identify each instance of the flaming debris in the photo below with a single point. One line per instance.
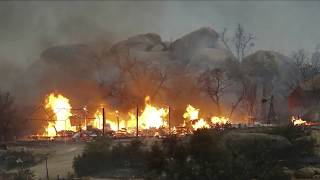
(192, 114)
(61, 108)
(152, 119)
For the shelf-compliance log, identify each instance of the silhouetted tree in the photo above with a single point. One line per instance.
(240, 43)
(137, 78)
(9, 121)
(302, 60)
(214, 82)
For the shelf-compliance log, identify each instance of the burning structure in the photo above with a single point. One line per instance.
(150, 121)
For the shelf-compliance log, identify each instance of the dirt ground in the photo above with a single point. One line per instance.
(59, 160)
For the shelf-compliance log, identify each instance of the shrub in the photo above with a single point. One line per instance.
(24, 174)
(203, 155)
(27, 158)
(103, 156)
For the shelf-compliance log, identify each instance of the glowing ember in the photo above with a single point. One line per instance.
(219, 120)
(61, 108)
(200, 124)
(191, 113)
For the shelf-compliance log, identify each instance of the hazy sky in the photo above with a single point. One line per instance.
(29, 27)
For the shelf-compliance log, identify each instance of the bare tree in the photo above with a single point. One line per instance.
(145, 78)
(241, 42)
(225, 39)
(214, 82)
(302, 61)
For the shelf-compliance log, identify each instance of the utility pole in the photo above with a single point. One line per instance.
(137, 117)
(47, 172)
(103, 121)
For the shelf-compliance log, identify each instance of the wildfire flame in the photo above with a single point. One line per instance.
(219, 120)
(192, 114)
(98, 122)
(299, 122)
(200, 124)
(61, 108)
(151, 116)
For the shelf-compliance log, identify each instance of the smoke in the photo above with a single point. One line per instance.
(48, 46)
(30, 27)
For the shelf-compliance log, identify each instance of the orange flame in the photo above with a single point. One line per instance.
(98, 122)
(192, 114)
(200, 124)
(299, 122)
(219, 120)
(151, 116)
(62, 111)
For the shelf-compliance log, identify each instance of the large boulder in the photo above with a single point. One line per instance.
(274, 75)
(209, 58)
(141, 42)
(187, 46)
(269, 65)
(306, 172)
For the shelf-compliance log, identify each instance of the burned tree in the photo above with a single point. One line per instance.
(136, 78)
(302, 61)
(214, 82)
(240, 43)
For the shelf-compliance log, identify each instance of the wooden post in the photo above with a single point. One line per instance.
(137, 117)
(103, 121)
(118, 122)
